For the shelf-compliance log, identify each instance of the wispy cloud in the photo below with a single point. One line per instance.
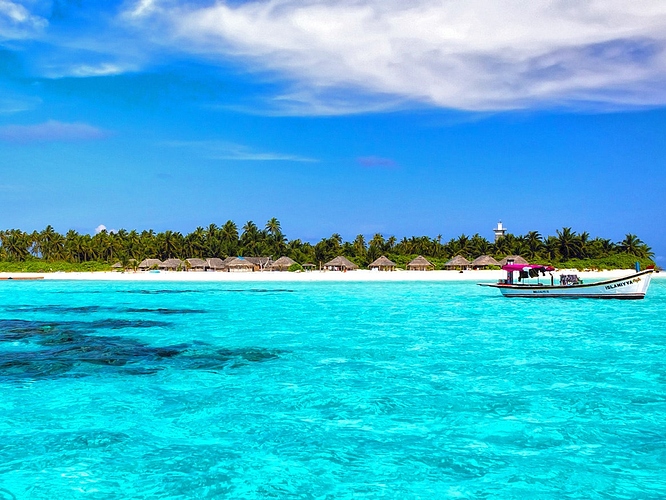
(104, 69)
(51, 131)
(16, 21)
(16, 104)
(470, 55)
(377, 162)
(222, 150)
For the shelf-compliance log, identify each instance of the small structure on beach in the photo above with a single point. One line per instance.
(420, 263)
(215, 264)
(457, 262)
(195, 264)
(241, 265)
(261, 263)
(117, 265)
(483, 262)
(383, 263)
(516, 259)
(309, 266)
(172, 265)
(282, 264)
(340, 263)
(147, 264)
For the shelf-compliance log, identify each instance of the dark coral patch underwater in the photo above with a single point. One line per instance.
(75, 349)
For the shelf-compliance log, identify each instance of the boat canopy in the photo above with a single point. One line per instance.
(527, 267)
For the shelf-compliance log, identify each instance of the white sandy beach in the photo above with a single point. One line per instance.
(312, 276)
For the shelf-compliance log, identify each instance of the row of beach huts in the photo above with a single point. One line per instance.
(340, 263)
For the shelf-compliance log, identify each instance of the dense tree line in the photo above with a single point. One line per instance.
(251, 241)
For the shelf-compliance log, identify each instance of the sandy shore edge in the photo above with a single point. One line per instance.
(351, 276)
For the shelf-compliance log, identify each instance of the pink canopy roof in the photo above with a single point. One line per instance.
(525, 267)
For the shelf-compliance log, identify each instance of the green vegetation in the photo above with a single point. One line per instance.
(48, 250)
(34, 265)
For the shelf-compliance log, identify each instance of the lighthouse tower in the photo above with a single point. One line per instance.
(499, 231)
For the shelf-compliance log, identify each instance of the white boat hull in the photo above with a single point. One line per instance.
(634, 286)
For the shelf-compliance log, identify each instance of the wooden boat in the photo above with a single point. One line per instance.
(633, 286)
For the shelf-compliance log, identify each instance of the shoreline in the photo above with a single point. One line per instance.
(310, 276)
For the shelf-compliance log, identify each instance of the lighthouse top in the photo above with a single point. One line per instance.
(499, 231)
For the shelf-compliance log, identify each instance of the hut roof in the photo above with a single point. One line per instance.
(342, 262)
(283, 262)
(382, 262)
(117, 265)
(197, 262)
(171, 264)
(309, 264)
(148, 263)
(517, 259)
(260, 262)
(420, 261)
(241, 263)
(485, 260)
(215, 263)
(458, 260)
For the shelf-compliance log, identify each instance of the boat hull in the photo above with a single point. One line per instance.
(634, 286)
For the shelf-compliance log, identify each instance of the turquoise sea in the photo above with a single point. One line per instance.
(327, 391)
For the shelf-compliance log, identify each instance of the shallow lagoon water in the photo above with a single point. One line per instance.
(328, 390)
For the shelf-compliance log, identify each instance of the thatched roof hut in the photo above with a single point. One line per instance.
(420, 264)
(117, 265)
(172, 265)
(457, 262)
(309, 266)
(261, 263)
(197, 264)
(340, 263)
(483, 262)
(241, 264)
(517, 259)
(382, 264)
(146, 264)
(282, 264)
(215, 264)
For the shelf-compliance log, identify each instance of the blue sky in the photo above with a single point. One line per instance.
(404, 118)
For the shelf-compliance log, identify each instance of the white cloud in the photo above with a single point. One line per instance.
(105, 69)
(17, 22)
(222, 150)
(473, 55)
(50, 131)
(100, 228)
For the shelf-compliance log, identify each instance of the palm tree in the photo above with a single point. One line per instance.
(633, 245)
(250, 240)
(568, 243)
(534, 244)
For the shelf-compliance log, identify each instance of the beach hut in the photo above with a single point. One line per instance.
(517, 259)
(196, 264)
(420, 264)
(261, 263)
(215, 264)
(240, 265)
(309, 266)
(117, 265)
(282, 264)
(147, 264)
(458, 262)
(340, 263)
(483, 262)
(382, 264)
(172, 265)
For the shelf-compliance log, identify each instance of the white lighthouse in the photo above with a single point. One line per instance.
(499, 231)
